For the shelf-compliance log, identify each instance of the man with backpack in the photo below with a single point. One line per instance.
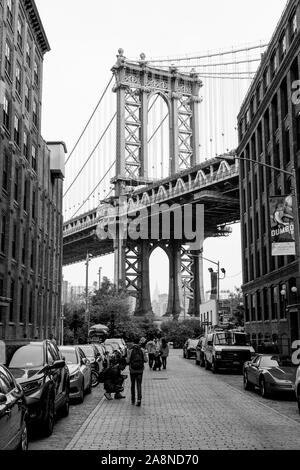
(136, 358)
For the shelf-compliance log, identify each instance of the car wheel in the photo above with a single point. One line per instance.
(262, 388)
(247, 384)
(48, 423)
(81, 395)
(214, 367)
(95, 379)
(24, 439)
(66, 406)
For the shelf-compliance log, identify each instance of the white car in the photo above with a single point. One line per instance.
(297, 387)
(117, 343)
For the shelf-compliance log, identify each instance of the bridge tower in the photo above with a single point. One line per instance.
(135, 84)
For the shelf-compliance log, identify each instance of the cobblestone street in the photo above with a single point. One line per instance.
(184, 407)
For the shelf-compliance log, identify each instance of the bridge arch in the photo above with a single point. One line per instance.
(158, 131)
(159, 256)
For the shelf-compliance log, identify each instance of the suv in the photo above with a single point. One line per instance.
(44, 377)
(228, 349)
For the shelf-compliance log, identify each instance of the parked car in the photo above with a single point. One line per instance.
(227, 349)
(95, 359)
(110, 353)
(269, 374)
(80, 371)
(13, 413)
(189, 348)
(297, 387)
(118, 341)
(200, 352)
(44, 376)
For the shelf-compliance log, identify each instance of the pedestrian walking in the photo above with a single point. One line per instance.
(136, 358)
(164, 351)
(151, 348)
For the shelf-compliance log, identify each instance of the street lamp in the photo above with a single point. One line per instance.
(87, 310)
(99, 273)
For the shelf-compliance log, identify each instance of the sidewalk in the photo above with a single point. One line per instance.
(186, 408)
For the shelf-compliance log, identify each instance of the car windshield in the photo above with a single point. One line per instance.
(30, 356)
(192, 343)
(70, 356)
(88, 351)
(232, 339)
(269, 361)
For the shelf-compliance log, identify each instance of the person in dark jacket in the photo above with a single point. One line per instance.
(136, 357)
(114, 379)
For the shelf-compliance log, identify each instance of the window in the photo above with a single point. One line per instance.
(17, 130)
(275, 113)
(259, 308)
(20, 28)
(24, 248)
(16, 182)
(25, 144)
(6, 112)
(258, 96)
(28, 54)
(282, 47)
(8, 55)
(5, 172)
(286, 147)
(273, 64)
(284, 98)
(277, 155)
(274, 296)
(33, 214)
(18, 80)
(267, 126)
(36, 73)
(26, 191)
(22, 306)
(32, 254)
(14, 241)
(34, 157)
(35, 113)
(12, 297)
(266, 80)
(293, 26)
(3, 233)
(27, 97)
(9, 11)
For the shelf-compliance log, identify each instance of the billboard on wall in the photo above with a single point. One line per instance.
(282, 225)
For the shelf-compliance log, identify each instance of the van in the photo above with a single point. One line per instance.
(228, 349)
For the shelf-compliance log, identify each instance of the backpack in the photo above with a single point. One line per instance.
(137, 358)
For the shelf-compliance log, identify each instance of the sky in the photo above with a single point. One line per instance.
(84, 39)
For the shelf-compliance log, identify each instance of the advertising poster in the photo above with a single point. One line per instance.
(282, 225)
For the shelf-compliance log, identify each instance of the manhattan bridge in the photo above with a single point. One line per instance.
(157, 136)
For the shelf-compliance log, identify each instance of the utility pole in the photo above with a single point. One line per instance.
(87, 310)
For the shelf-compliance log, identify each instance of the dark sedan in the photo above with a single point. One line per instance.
(269, 374)
(13, 413)
(45, 379)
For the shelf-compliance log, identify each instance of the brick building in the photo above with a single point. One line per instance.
(269, 132)
(31, 181)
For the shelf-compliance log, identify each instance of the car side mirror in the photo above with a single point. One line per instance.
(58, 365)
(3, 399)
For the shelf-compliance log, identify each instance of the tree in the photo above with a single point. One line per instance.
(75, 330)
(179, 332)
(237, 307)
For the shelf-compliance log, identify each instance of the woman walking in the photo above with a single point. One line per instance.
(164, 350)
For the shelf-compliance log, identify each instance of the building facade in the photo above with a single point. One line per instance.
(31, 181)
(269, 132)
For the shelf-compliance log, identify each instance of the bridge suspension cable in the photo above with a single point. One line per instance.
(90, 156)
(215, 54)
(89, 121)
